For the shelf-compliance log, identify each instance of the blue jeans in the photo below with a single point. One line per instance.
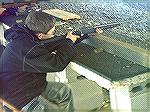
(57, 98)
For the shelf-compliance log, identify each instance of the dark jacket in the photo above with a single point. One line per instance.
(25, 62)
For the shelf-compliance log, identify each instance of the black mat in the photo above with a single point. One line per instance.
(107, 65)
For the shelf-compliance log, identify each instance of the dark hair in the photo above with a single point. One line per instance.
(39, 22)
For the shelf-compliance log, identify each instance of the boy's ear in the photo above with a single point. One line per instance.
(40, 36)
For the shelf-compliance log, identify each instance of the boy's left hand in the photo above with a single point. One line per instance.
(98, 31)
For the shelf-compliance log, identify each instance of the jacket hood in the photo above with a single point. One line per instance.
(17, 32)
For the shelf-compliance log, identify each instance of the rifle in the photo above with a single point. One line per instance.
(17, 4)
(14, 8)
(88, 30)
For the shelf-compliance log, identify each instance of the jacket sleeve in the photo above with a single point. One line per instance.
(86, 36)
(54, 59)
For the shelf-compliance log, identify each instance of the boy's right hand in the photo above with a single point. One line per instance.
(72, 37)
(2, 10)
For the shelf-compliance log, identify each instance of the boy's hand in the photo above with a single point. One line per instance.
(72, 37)
(98, 31)
(2, 10)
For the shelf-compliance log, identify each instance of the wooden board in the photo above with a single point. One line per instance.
(64, 15)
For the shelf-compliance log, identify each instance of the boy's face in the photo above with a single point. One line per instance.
(49, 34)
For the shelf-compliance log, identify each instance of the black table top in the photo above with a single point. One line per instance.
(108, 65)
